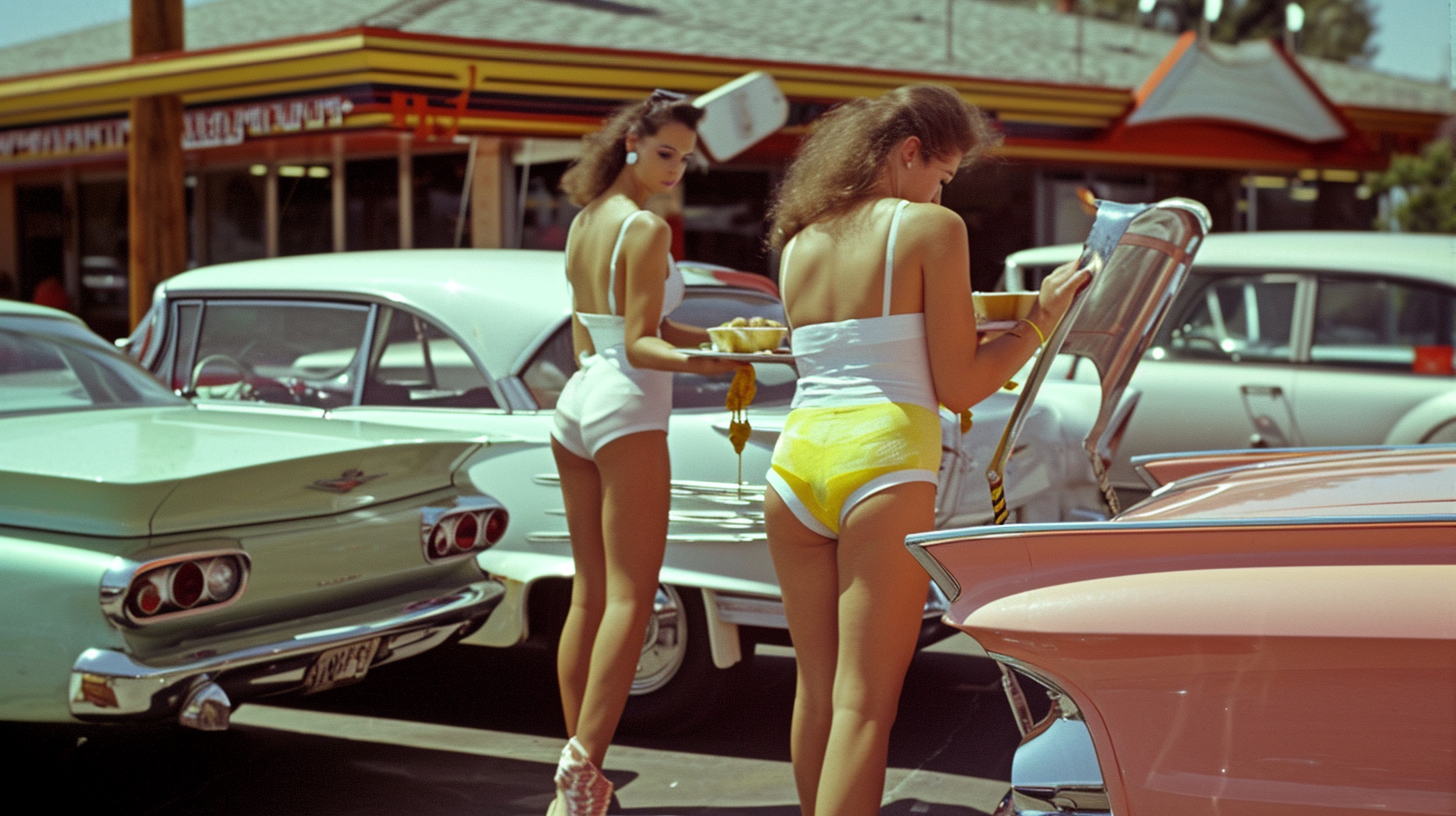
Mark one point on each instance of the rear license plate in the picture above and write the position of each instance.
(340, 665)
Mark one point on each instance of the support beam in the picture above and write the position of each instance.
(9, 240)
(156, 197)
(338, 204)
(406, 193)
(487, 213)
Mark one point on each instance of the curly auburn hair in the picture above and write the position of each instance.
(604, 151)
(840, 161)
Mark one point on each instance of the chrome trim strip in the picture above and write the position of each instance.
(940, 577)
(930, 539)
(1055, 769)
(139, 690)
(1265, 454)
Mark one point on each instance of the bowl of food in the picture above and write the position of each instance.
(992, 307)
(743, 335)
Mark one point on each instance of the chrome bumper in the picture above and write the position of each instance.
(200, 687)
(1054, 771)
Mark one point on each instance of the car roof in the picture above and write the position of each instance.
(511, 296)
(525, 290)
(18, 308)
(1423, 258)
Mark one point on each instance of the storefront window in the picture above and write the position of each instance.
(305, 196)
(40, 214)
(234, 216)
(723, 213)
(104, 257)
(438, 182)
(371, 189)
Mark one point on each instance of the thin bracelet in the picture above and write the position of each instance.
(1037, 328)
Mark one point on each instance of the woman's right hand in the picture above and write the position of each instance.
(712, 366)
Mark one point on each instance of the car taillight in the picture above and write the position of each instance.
(162, 589)
(495, 526)
(459, 531)
(467, 530)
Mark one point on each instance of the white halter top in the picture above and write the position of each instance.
(863, 360)
(609, 330)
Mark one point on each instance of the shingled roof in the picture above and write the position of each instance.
(989, 39)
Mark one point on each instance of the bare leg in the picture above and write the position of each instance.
(881, 600)
(581, 489)
(634, 476)
(806, 565)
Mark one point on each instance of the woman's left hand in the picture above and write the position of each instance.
(1057, 292)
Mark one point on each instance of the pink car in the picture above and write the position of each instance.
(1271, 632)
(1272, 638)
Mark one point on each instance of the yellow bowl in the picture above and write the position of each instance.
(995, 306)
(746, 339)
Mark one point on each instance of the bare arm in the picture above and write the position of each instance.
(682, 335)
(964, 370)
(646, 248)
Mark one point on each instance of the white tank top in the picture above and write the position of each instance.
(863, 360)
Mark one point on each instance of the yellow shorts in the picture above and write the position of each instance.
(830, 458)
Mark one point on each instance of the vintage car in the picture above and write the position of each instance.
(479, 341)
(1291, 339)
(164, 561)
(1273, 632)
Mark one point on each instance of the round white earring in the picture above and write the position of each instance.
(908, 165)
(631, 157)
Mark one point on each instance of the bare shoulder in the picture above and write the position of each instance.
(648, 223)
(931, 222)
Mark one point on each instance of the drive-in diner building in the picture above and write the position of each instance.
(318, 126)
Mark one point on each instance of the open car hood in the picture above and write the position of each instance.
(1141, 254)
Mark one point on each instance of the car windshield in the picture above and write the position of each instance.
(45, 372)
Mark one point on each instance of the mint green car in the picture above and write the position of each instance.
(161, 561)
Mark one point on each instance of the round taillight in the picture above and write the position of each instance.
(466, 531)
(440, 540)
(187, 584)
(147, 598)
(223, 578)
(495, 526)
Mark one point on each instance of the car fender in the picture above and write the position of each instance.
(509, 625)
(55, 590)
(1425, 420)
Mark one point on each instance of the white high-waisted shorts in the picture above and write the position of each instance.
(607, 399)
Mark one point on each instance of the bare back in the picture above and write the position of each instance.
(836, 268)
(589, 253)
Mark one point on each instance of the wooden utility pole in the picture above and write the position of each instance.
(156, 197)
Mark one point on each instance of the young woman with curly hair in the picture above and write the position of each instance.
(875, 277)
(610, 433)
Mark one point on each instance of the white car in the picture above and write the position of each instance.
(1293, 339)
(479, 341)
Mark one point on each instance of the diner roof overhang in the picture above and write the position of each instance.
(439, 87)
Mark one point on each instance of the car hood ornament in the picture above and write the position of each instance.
(346, 481)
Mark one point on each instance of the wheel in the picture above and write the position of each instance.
(677, 687)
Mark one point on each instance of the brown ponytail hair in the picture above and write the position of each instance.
(840, 161)
(604, 151)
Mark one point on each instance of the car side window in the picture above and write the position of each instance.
(549, 370)
(1229, 317)
(552, 365)
(415, 363)
(1370, 323)
(298, 353)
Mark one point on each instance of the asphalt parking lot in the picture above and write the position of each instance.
(476, 731)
